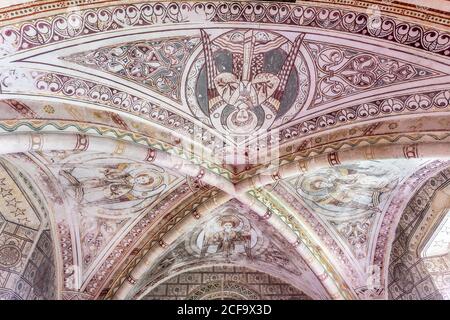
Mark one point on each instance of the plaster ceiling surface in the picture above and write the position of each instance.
(221, 142)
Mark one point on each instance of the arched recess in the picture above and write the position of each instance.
(29, 259)
(414, 272)
(231, 235)
(227, 282)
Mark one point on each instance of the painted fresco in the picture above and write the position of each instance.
(102, 186)
(354, 190)
(259, 129)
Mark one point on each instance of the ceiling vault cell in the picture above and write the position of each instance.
(208, 150)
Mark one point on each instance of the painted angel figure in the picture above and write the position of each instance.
(114, 188)
(227, 238)
(247, 97)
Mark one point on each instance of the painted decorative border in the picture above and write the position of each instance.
(44, 31)
(421, 13)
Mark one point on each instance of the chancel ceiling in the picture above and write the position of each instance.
(239, 150)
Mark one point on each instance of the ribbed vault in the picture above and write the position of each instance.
(156, 142)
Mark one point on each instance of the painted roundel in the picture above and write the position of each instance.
(247, 81)
(9, 255)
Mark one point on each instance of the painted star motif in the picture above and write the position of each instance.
(6, 192)
(23, 221)
(19, 212)
(12, 203)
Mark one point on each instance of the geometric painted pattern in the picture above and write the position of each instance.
(157, 65)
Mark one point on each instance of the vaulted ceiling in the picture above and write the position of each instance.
(205, 150)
